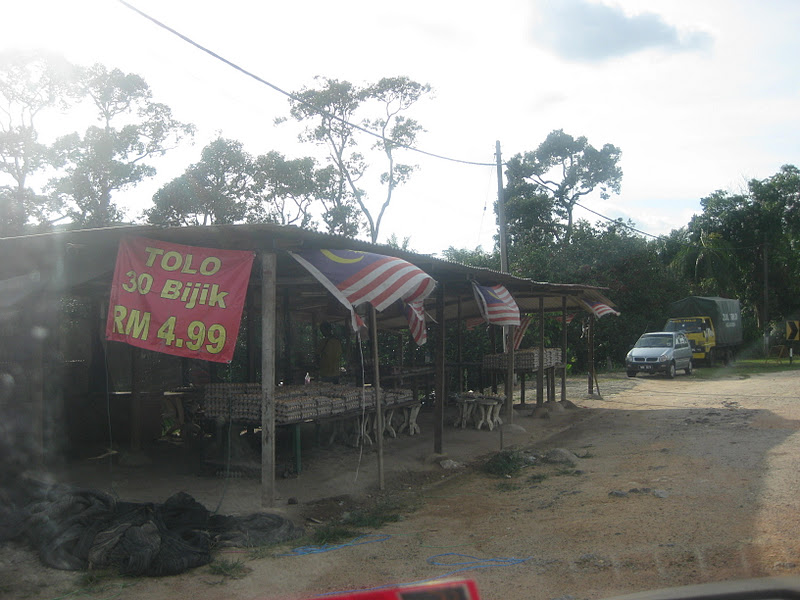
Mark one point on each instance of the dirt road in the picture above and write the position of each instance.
(679, 481)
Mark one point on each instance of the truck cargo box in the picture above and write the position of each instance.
(725, 313)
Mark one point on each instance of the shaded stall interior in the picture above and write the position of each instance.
(64, 386)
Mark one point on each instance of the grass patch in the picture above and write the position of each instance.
(571, 472)
(505, 463)
(745, 368)
(95, 578)
(508, 486)
(388, 510)
(232, 569)
(537, 478)
(332, 534)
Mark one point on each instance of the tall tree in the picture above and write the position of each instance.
(330, 110)
(284, 190)
(229, 185)
(739, 239)
(29, 84)
(565, 169)
(214, 190)
(111, 157)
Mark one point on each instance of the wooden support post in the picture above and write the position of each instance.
(563, 348)
(540, 371)
(288, 344)
(493, 372)
(136, 399)
(438, 415)
(377, 386)
(252, 364)
(269, 276)
(591, 354)
(460, 358)
(509, 344)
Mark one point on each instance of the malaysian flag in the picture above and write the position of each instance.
(519, 332)
(599, 309)
(473, 322)
(357, 277)
(496, 304)
(415, 314)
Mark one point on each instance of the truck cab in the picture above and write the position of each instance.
(701, 334)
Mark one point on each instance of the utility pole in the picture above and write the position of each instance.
(501, 211)
(765, 317)
(508, 331)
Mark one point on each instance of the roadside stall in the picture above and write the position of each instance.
(249, 325)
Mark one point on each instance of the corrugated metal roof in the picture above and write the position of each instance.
(71, 259)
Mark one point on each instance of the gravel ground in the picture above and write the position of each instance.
(673, 482)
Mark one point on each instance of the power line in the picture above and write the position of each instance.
(292, 96)
(657, 237)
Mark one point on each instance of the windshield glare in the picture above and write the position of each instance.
(654, 341)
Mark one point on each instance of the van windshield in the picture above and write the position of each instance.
(654, 341)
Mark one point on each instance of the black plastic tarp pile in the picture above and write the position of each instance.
(77, 529)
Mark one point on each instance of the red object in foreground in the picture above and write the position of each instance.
(462, 589)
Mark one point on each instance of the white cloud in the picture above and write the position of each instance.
(584, 30)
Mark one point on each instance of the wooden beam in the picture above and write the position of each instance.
(540, 372)
(563, 348)
(378, 402)
(508, 331)
(591, 354)
(268, 278)
(438, 415)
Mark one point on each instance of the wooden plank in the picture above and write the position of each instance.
(563, 348)
(438, 415)
(268, 279)
(378, 404)
(540, 372)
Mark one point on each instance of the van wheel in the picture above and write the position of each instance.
(689, 368)
(631, 373)
(671, 370)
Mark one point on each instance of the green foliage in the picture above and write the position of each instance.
(508, 486)
(111, 157)
(375, 516)
(505, 463)
(328, 112)
(231, 569)
(745, 368)
(550, 180)
(31, 84)
(567, 472)
(333, 533)
(536, 478)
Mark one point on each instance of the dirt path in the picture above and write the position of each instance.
(682, 481)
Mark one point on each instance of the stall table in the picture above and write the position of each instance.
(526, 362)
(294, 405)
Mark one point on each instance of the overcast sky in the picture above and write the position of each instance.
(699, 95)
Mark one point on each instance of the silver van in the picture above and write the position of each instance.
(660, 352)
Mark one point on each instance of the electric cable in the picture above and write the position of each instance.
(293, 97)
(355, 126)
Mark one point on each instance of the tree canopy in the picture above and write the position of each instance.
(562, 170)
(329, 112)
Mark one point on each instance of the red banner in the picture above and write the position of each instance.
(178, 299)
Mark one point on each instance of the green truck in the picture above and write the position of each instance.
(712, 324)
